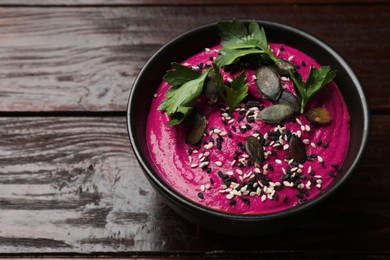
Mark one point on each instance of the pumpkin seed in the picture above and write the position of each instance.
(287, 98)
(276, 113)
(210, 90)
(255, 149)
(283, 66)
(318, 115)
(297, 149)
(197, 129)
(268, 82)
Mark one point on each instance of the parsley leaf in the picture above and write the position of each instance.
(238, 41)
(180, 75)
(234, 93)
(186, 87)
(315, 81)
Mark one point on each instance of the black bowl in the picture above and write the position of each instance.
(197, 40)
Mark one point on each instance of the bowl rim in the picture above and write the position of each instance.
(176, 197)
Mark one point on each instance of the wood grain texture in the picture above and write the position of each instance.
(86, 59)
(72, 184)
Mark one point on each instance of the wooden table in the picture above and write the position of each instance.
(69, 182)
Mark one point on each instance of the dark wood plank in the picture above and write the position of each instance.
(86, 59)
(174, 2)
(72, 184)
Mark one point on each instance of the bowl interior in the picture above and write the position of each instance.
(195, 41)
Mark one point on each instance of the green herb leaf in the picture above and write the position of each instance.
(180, 75)
(181, 98)
(317, 79)
(238, 41)
(234, 93)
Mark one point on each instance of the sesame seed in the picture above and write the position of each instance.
(309, 170)
(194, 165)
(230, 173)
(278, 161)
(254, 77)
(285, 147)
(231, 121)
(233, 162)
(302, 127)
(207, 49)
(307, 128)
(290, 58)
(264, 197)
(202, 187)
(320, 158)
(298, 121)
(284, 78)
(218, 163)
(318, 185)
(230, 196)
(299, 133)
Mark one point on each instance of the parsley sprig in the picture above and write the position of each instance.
(234, 93)
(186, 87)
(317, 79)
(239, 41)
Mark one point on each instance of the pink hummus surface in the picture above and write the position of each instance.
(273, 192)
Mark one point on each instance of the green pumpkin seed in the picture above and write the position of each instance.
(297, 149)
(283, 66)
(255, 149)
(287, 98)
(276, 113)
(197, 129)
(210, 90)
(268, 82)
(318, 115)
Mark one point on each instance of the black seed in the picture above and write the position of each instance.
(200, 195)
(313, 155)
(303, 200)
(287, 157)
(276, 197)
(245, 200)
(232, 202)
(270, 167)
(240, 118)
(242, 148)
(235, 157)
(190, 150)
(238, 152)
(335, 165)
(319, 142)
(208, 170)
(219, 145)
(211, 139)
(239, 144)
(299, 195)
(229, 133)
(204, 142)
(211, 58)
(284, 197)
(293, 120)
(248, 126)
(221, 175)
(278, 187)
(331, 174)
(306, 192)
(302, 176)
(325, 145)
(204, 167)
(233, 179)
(273, 152)
(303, 64)
(322, 164)
(250, 119)
(243, 130)
(234, 128)
(211, 181)
(281, 48)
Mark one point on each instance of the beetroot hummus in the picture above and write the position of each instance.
(219, 174)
